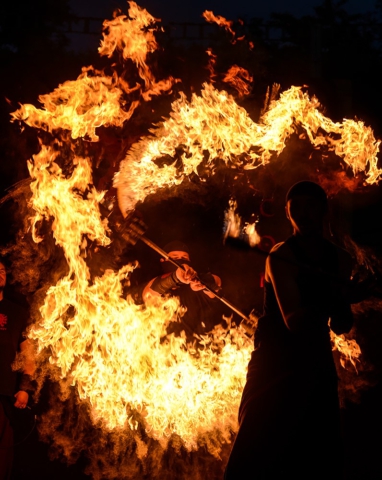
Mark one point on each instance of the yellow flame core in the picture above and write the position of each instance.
(349, 349)
(131, 35)
(95, 99)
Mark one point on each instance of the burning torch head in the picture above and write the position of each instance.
(306, 207)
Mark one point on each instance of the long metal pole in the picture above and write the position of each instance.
(247, 324)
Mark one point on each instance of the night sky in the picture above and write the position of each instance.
(175, 10)
(191, 12)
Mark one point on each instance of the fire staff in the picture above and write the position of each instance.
(13, 321)
(289, 414)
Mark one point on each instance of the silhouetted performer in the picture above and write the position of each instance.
(13, 321)
(289, 414)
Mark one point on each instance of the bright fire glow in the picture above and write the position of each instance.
(134, 38)
(111, 350)
(219, 20)
(234, 227)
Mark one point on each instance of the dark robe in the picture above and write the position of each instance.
(289, 414)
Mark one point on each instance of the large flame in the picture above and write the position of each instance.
(114, 352)
(214, 123)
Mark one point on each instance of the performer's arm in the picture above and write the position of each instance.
(26, 384)
(164, 284)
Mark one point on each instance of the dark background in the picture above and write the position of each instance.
(332, 47)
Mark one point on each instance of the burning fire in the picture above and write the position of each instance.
(221, 21)
(239, 78)
(80, 106)
(234, 228)
(349, 349)
(114, 352)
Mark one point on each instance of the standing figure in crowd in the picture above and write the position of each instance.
(13, 394)
(289, 414)
(203, 309)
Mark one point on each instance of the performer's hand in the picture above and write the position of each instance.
(196, 285)
(186, 275)
(21, 399)
(210, 280)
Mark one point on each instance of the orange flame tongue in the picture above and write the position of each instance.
(135, 40)
(95, 99)
(131, 36)
(80, 106)
(219, 20)
(349, 349)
